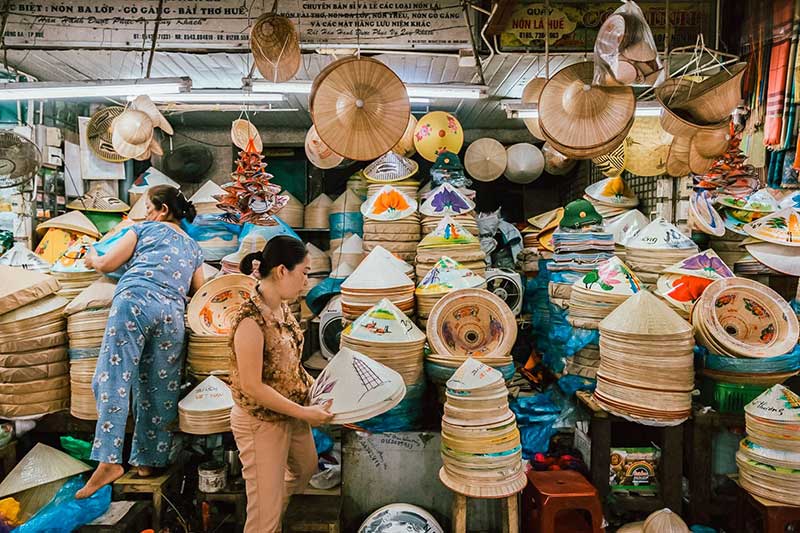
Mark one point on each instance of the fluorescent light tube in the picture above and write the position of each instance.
(216, 97)
(516, 109)
(419, 90)
(93, 88)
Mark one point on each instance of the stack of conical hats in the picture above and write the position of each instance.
(345, 217)
(450, 239)
(646, 362)
(205, 198)
(657, 246)
(684, 282)
(611, 197)
(406, 268)
(386, 335)
(391, 221)
(320, 264)
(207, 409)
(481, 448)
(293, 213)
(21, 257)
(598, 293)
(351, 253)
(209, 315)
(71, 271)
(317, 212)
(63, 231)
(446, 200)
(395, 169)
(373, 280)
(445, 276)
(769, 458)
(584, 363)
(33, 345)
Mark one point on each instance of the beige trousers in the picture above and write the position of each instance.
(278, 459)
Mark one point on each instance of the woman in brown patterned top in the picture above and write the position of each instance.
(270, 421)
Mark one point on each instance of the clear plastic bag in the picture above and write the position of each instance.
(625, 52)
(64, 513)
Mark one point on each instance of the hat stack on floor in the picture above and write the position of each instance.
(21, 257)
(391, 221)
(646, 362)
(599, 292)
(388, 336)
(34, 372)
(209, 315)
(293, 213)
(207, 409)
(450, 239)
(373, 280)
(71, 271)
(320, 268)
(445, 276)
(62, 232)
(447, 200)
(774, 241)
(683, 283)
(317, 212)
(481, 448)
(657, 246)
(350, 253)
(624, 227)
(345, 218)
(406, 268)
(769, 457)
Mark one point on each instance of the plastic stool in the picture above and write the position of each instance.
(551, 492)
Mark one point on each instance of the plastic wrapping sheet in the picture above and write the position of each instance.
(64, 513)
(536, 416)
(210, 227)
(343, 224)
(767, 365)
(408, 415)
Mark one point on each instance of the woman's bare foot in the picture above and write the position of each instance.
(105, 474)
(144, 471)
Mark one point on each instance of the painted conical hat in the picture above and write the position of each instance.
(704, 216)
(388, 204)
(626, 225)
(662, 235)
(647, 147)
(212, 394)
(446, 200)
(447, 232)
(706, 264)
(19, 287)
(73, 260)
(320, 155)
(645, 314)
(448, 275)
(777, 403)
(150, 178)
(206, 194)
(72, 221)
(760, 201)
(613, 191)
(473, 374)
(388, 256)
(782, 227)
(390, 167)
(612, 276)
(347, 202)
(375, 273)
(20, 256)
(384, 323)
(40, 466)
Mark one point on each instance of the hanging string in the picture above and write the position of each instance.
(155, 38)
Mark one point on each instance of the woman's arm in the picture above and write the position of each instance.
(198, 278)
(115, 257)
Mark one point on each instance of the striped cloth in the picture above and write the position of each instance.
(776, 92)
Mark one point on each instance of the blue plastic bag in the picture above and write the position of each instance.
(103, 247)
(536, 417)
(322, 441)
(64, 513)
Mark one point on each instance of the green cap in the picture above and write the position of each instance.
(580, 213)
(447, 161)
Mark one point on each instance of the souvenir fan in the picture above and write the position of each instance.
(97, 199)
(204, 199)
(598, 293)
(451, 239)
(71, 271)
(401, 517)
(20, 286)
(242, 132)
(684, 282)
(374, 280)
(99, 131)
(206, 410)
(132, 134)
(446, 276)
(612, 164)
(446, 200)
(781, 227)
(438, 132)
(448, 168)
(388, 204)
(646, 368)
(351, 252)
(530, 96)
(317, 212)
(525, 163)
(647, 148)
(556, 163)
(405, 146)
(584, 121)
(359, 387)
(481, 448)
(366, 99)
(703, 215)
(276, 47)
(21, 257)
(318, 153)
(485, 159)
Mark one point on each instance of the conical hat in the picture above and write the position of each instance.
(612, 276)
(145, 104)
(782, 227)
(323, 201)
(473, 374)
(447, 232)
(73, 260)
(98, 295)
(777, 403)
(319, 260)
(647, 147)
(485, 159)
(405, 146)
(760, 201)
(139, 210)
(353, 244)
(626, 225)
(347, 202)
(388, 204)
(206, 194)
(706, 264)
(212, 394)
(19, 287)
(72, 221)
(446, 200)
(20, 256)
(645, 314)
(384, 323)
(704, 216)
(150, 178)
(375, 273)
(97, 199)
(55, 242)
(355, 383)
(780, 258)
(390, 167)
(541, 221)
(342, 271)
(662, 235)
(320, 155)
(613, 191)
(40, 466)
(388, 256)
(242, 131)
(448, 275)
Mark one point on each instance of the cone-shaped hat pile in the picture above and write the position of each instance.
(319, 261)
(207, 409)
(599, 292)
(646, 364)
(317, 212)
(345, 217)
(205, 201)
(293, 213)
(351, 253)
(391, 221)
(374, 280)
(481, 448)
(775, 241)
(359, 387)
(446, 200)
(683, 283)
(446, 275)
(450, 239)
(71, 270)
(657, 246)
(74, 221)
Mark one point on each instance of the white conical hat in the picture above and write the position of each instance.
(448, 232)
(206, 194)
(19, 287)
(448, 275)
(342, 271)
(645, 314)
(98, 295)
(612, 276)
(40, 466)
(626, 225)
(782, 227)
(212, 394)
(320, 202)
(71, 221)
(20, 256)
(150, 178)
(355, 383)
(660, 234)
(139, 210)
(319, 260)
(612, 191)
(473, 374)
(347, 202)
(706, 264)
(446, 200)
(777, 403)
(390, 257)
(73, 260)
(375, 273)
(353, 244)
(389, 204)
(384, 323)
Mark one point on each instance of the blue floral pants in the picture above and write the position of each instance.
(140, 364)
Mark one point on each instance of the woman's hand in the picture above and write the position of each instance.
(317, 415)
(91, 260)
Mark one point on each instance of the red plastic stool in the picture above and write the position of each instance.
(549, 493)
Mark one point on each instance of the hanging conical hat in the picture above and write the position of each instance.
(21, 257)
(145, 104)
(73, 260)
(132, 133)
(473, 374)
(706, 264)
(276, 47)
(388, 256)
(19, 287)
(713, 99)
(438, 132)
(72, 221)
(318, 152)
(447, 233)
(347, 202)
(645, 314)
(388, 204)
(390, 167)
(242, 131)
(98, 133)
(530, 95)
(524, 163)
(446, 200)
(375, 272)
(612, 164)
(384, 323)
(776, 403)
(612, 276)
(212, 394)
(662, 235)
(626, 225)
(782, 227)
(40, 466)
(613, 191)
(97, 199)
(780, 258)
(360, 108)
(485, 159)
(405, 146)
(448, 275)
(206, 194)
(647, 147)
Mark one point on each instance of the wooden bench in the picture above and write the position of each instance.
(156, 486)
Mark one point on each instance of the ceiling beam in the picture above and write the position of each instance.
(498, 23)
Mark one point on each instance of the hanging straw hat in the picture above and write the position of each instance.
(438, 132)
(71, 221)
(675, 121)
(647, 147)
(530, 95)
(485, 159)
(556, 163)
(714, 99)
(405, 146)
(678, 156)
(98, 134)
(581, 120)
(360, 108)
(390, 167)
(276, 47)
(242, 131)
(145, 104)
(318, 152)
(188, 163)
(613, 163)
(525, 163)
(132, 133)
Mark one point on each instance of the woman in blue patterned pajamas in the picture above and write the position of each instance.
(141, 356)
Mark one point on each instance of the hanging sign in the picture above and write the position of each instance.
(225, 24)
